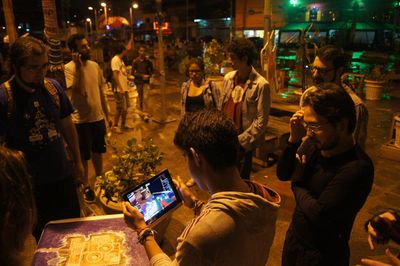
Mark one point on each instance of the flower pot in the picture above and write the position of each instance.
(373, 89)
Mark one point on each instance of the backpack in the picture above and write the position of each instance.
(49, 86)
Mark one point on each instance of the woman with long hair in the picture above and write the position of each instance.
(17, 207)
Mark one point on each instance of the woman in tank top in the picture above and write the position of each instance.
(198, 92)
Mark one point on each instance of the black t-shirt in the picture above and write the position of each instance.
(329, 196)
(34, 129)
(142, 67)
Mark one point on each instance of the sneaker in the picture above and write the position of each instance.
(117, 130)
(126, 127)
(146, 118)
(190, 183)
(88, 195)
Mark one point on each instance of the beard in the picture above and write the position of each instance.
(329, 145)
(85, 57)
(33, 85)
(318, 80)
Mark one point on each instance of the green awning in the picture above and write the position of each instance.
(338, 25)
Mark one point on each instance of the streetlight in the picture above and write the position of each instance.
(134, 6)
(90, 25)
(95, 16)
(104, 5)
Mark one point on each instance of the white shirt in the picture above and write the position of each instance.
(118, 65)
(87, 106)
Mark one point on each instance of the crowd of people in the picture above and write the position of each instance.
(331, 175)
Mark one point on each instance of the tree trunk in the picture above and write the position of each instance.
(10, 22)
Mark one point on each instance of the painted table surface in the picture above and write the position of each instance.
(99, 240)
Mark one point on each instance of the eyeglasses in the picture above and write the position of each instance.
(322, 70)
(314, 127)
(36, 68)
(194, 70)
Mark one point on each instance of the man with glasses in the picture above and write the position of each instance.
(328, 66)
(35, 117)
(331, 177)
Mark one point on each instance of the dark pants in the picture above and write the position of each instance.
(140, 91)
(297, 254)
(55, 201)
(245, 162)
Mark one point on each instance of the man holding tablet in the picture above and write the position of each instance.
(236, 225)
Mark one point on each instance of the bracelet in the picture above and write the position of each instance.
(144, 234)
(140, 230)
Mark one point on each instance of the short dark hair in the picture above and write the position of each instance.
(332, 102)
(242, 47)
(119, 47)
(211, 134)
(25, 47)
(198, 61)
(334, 55)
(72, 41)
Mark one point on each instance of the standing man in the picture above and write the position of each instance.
(121, 88)
(142, 69)
(245, 98)
(331, 177)
(84, 79)
(35, 114)
(329, 66)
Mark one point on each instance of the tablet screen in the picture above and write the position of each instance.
(155, 197)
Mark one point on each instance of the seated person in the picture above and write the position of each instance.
(17, 208)
(236, 225)
(382, 227)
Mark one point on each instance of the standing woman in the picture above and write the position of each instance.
(198, 92)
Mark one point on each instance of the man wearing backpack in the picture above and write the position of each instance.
(35, 117)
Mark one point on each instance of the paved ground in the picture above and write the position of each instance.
(385, 193)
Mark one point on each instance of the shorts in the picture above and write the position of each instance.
(91, 138)
(121, 101)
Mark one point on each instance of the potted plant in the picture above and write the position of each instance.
(133, 164)
(374, 84)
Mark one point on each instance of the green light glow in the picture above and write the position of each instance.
(293, 2)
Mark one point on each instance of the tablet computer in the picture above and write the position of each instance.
(155, 197)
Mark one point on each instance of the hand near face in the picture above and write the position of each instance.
(297, 130)
(76, 57)
(133, 218)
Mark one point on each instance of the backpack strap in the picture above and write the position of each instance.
(9, 98)
(52, 90)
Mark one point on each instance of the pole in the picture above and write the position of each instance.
(95, 20)
(131, 17)
(231, 34)
(267, 19)
(163, 117)
(10, 22)
(187, 21)
(90, 27)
